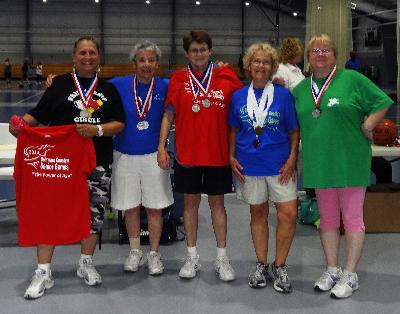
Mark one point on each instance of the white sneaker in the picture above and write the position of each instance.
(224, 269)
(190, 268)
(40, 282)
(328, 279)
(345, 286)
(134, 260)
(154, 264)
(88, 272)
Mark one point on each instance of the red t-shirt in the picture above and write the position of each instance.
(202, 138)
(50, 172)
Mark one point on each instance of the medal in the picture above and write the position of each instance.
(84, 114)
(258, 130)
(256, 143)
(200, 86)
(86, 96)
(316, 113)
(195, 108)
(142, 108)
(206, 103)
(142, 125)
(317, 93)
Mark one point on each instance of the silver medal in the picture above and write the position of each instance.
(195, 108)
(84, 113)
(206, 103)
(316, 113)
(142, 125)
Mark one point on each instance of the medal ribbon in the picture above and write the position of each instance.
(316, 92)
(258, 111)
(85, 97)
(142, 109)
(204, 85)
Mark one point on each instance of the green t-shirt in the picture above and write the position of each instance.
(335, 151)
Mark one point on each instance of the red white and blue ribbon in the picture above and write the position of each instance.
(202, 85)
(142, 109)
(318, 93)
(86, 97)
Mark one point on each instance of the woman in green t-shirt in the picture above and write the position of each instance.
(337, 110)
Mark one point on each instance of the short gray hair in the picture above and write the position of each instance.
(146, 45)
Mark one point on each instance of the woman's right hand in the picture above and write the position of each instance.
(237, 169)
(49, 80)
(163, 158)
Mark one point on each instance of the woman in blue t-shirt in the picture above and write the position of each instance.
(137, 180)
(264, 141)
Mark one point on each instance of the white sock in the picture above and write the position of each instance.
(87, 257)
(192, 251)
(45, 267)
(152, 252)
(333, 270)
(345, 271)
(221, 252)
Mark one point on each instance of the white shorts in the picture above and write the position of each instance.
(258, 190)
(138, 180)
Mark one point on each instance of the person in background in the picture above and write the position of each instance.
(291, 54)
(337, 110)
(7, 72)
(137, 180)
(95, 107)
(353, 63)
(24, 73)
(198, 99)
(264, 141)
(39, 73)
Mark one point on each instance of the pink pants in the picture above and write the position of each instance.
(348, 201)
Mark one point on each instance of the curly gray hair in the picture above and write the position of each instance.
(146, 45)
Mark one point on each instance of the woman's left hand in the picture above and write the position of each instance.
(287, 171)
(87, 130)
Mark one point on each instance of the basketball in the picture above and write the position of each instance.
(385, 133)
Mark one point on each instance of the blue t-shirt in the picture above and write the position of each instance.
(131, 140)
(353, 64)
(274, 148)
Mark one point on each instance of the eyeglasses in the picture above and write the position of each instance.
(261, 62)
(321, 50)
(196, 51)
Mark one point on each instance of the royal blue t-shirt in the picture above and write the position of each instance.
(274, 148)
(131, 140)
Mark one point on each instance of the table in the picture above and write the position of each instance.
(383, 151)
(7, 154)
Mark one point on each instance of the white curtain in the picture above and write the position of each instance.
(332, 17)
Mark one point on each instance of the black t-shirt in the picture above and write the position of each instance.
(61, 105)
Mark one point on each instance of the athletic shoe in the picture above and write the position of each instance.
(88, 272)
(328, 279)
(224, 269)
(134, 260)
(155, 264)
(258, 276)
(40, 282)
(346, 285)
(190, 268)
(280, 278)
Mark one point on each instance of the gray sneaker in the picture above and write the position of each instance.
(280, 278)
(328, 279)
(41, 281)
(88, 272)
(346, 285)
(258, 276)
(134, 260)
(154, 264)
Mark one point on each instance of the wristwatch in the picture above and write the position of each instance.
(100, 130)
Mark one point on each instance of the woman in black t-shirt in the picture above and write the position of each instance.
(94, 105)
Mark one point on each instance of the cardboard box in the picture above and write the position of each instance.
(382, 208)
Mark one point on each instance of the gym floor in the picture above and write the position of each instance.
(379, 270)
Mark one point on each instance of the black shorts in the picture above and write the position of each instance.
(202, 179)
